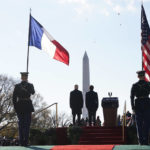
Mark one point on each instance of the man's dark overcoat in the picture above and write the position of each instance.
(92, 101)
(76, 101)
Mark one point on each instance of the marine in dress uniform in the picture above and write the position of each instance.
(76, 103)
(140, 103)
(23, 107)
(92, 104)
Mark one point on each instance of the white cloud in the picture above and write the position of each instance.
(109, 2)
(118, 8)
(122, 5)
(73, 1)
(131, 7)
(146, 0)
(88, 6)
(81, 5)
(105, 12)
(85, 7)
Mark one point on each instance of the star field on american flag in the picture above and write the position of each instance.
(145, 41)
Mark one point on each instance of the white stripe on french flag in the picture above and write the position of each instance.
(40, 38)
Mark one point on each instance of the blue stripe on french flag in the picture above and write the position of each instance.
(40, 38)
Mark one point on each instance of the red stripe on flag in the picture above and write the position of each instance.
(145, 40)
(146, 78)
(145, 48)
(61, 53)
(145, 58)
(146, 69)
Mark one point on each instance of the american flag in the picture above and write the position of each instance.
(145, 44)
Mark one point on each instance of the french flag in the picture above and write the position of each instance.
(41, 39)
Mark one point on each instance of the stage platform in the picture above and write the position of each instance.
(78, 147)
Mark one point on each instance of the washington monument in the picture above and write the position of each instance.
(86, 82)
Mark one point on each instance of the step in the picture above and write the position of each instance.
(107, 141)
(100, 143)
(101, 134)
(100, 138)
(102, 128)
(93, 128)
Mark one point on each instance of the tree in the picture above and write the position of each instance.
(43, 120)
(47, 119)
(7, 114)
(64, 120)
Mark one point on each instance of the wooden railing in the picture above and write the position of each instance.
(47, 108)
(35, 113)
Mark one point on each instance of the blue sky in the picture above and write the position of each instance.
(109, 30)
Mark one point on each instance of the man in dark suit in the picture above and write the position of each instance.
(23, 107)
(92, 105)
(76, 103)
(140, 103)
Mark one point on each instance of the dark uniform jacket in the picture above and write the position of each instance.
(140, 90)
(76, 101)
(91, 101)
(21, 97)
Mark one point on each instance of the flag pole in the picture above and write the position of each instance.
(141, 2)
(28, 44)
(141, 31)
